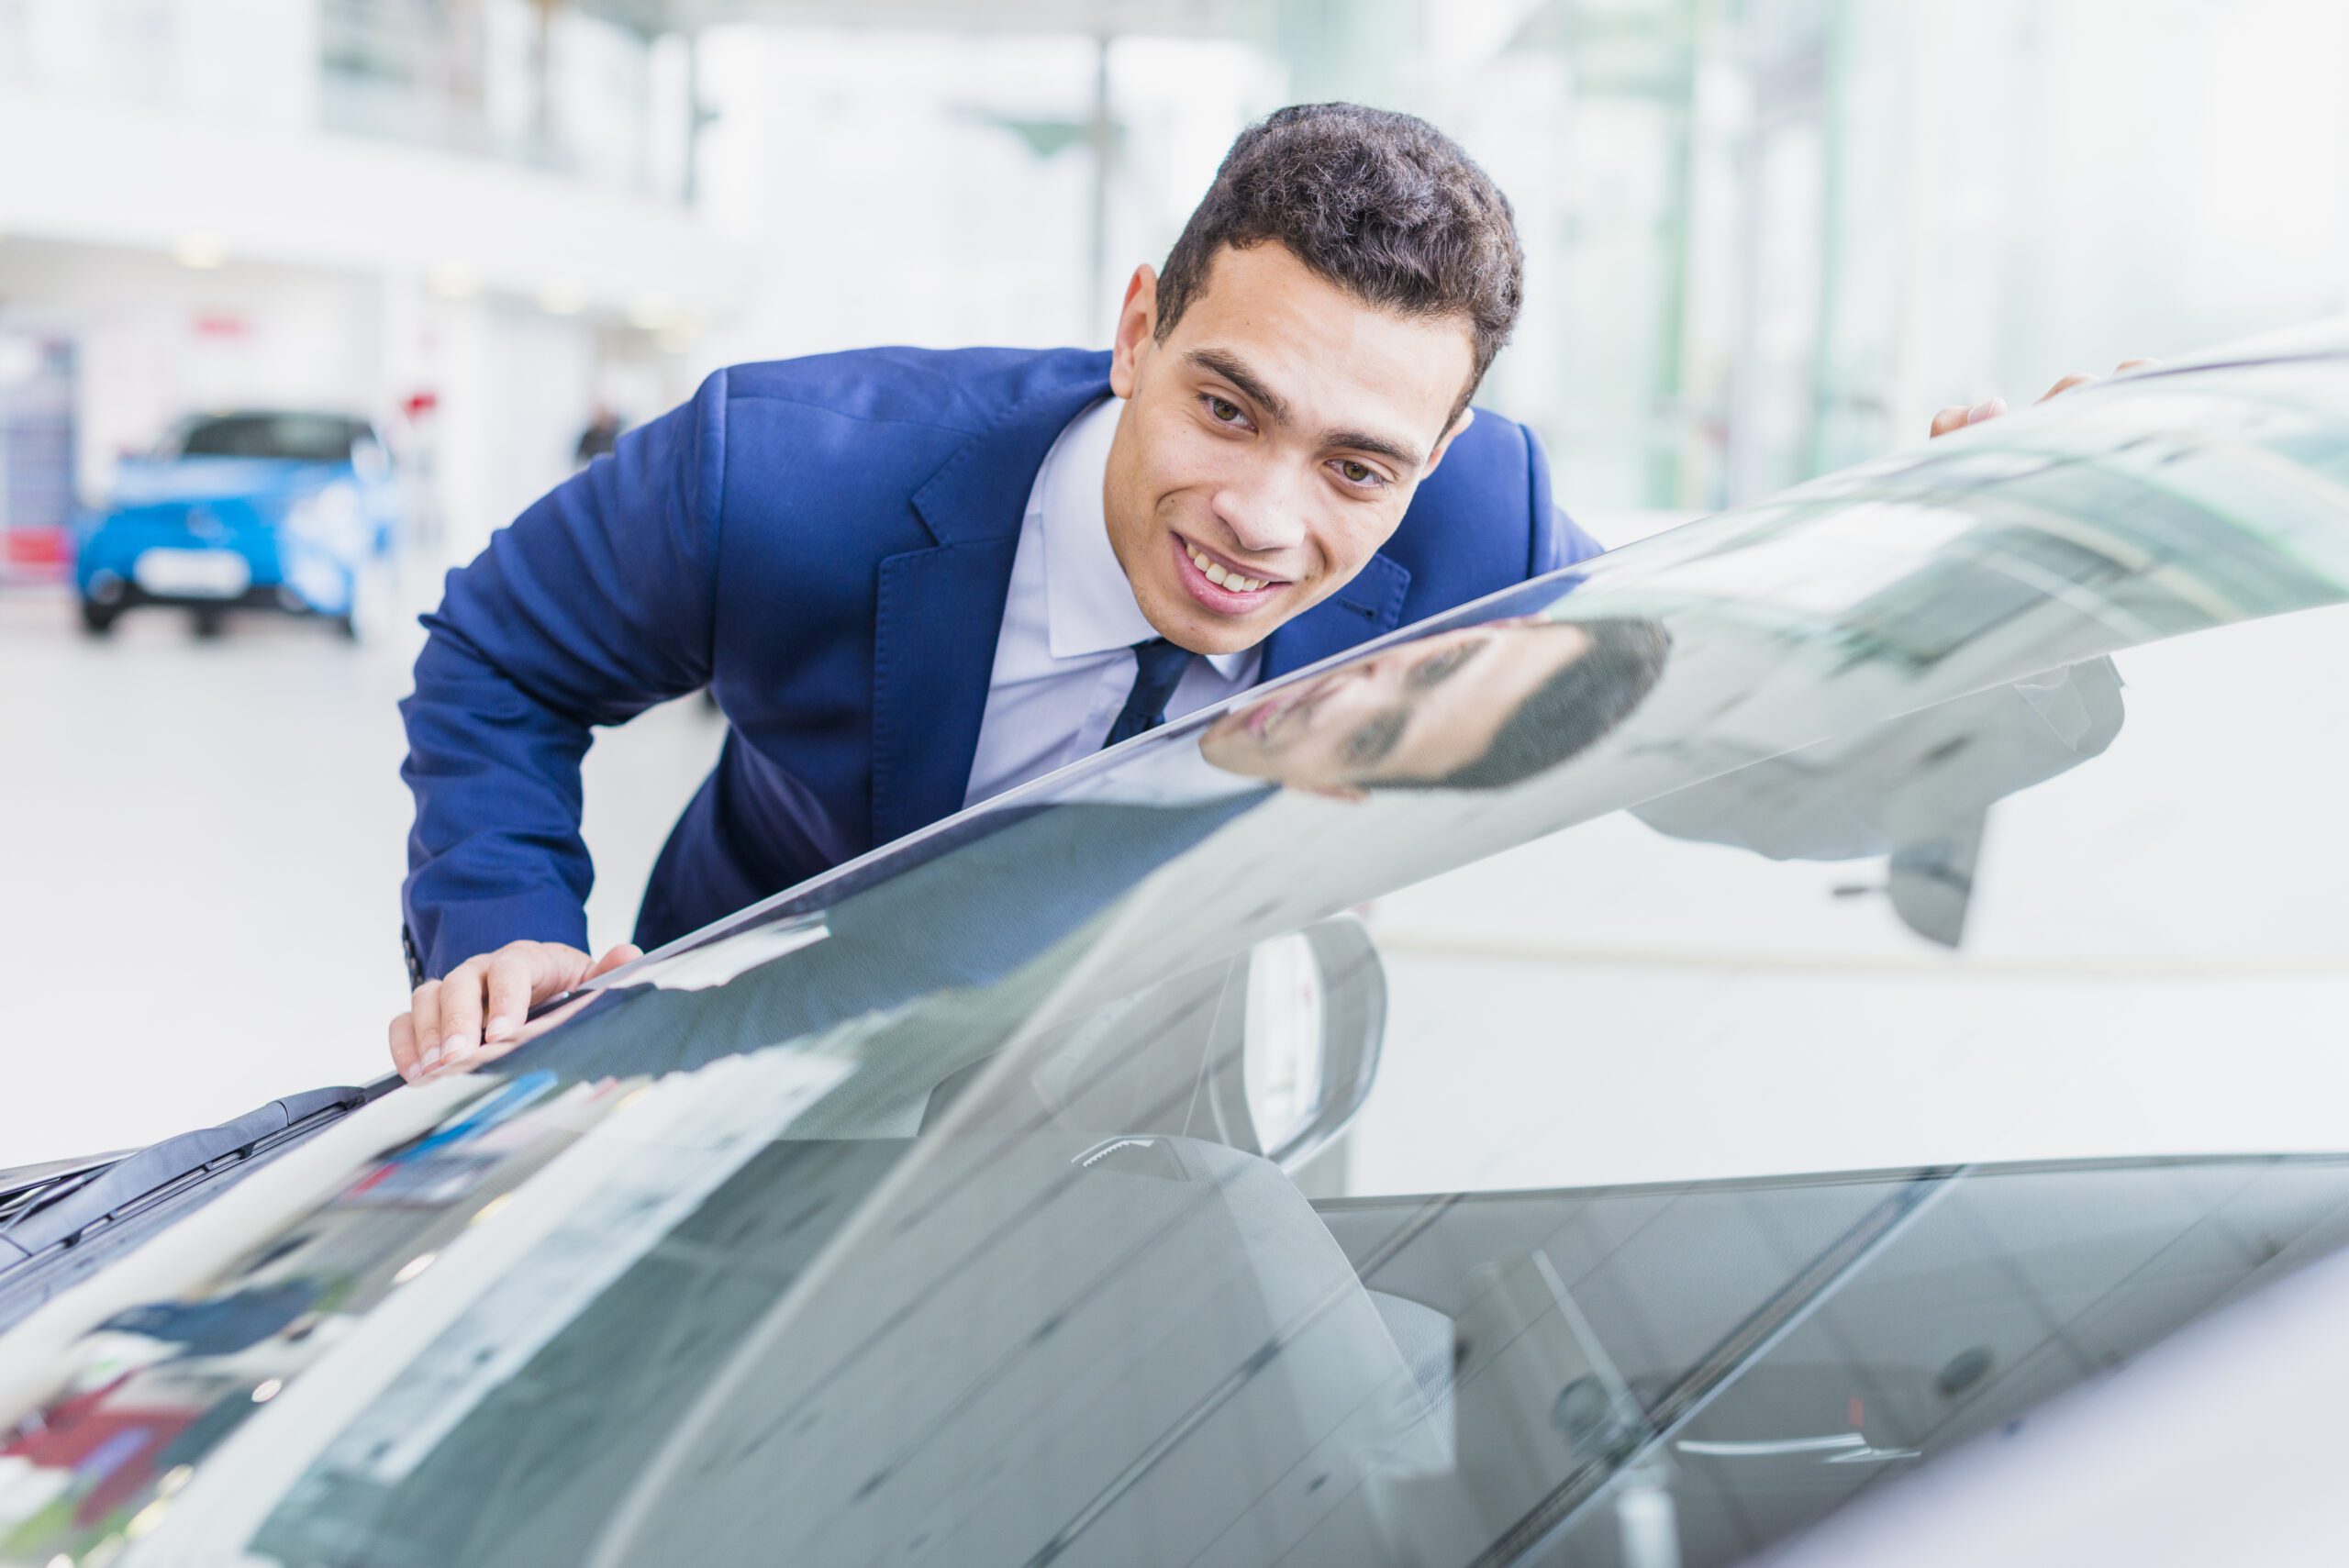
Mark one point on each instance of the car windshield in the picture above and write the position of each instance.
(296, 438)
(1606, 1076)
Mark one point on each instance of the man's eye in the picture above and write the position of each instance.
(1224, 411)
(1361, 474)
(1373, 741)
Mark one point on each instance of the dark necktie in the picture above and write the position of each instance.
(1158, 670)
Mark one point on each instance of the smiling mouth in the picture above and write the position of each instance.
(1219, 585)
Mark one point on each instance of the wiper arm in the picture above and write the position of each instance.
(27, 1186)
(155, 1172)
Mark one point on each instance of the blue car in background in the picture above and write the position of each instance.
(251, 509)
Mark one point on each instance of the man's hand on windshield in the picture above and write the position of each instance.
(1957, 416)
(477, 1011)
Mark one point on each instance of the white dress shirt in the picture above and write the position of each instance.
(1064, 662)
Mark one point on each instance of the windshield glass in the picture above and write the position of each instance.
(296, 438)
(1380, 1122)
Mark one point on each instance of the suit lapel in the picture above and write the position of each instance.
(938, 610)
(1370, 606)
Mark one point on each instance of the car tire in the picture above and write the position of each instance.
(207, 623)
(97, 619)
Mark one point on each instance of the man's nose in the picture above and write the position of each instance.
(1264, 516)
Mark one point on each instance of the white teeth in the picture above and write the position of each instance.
(1215, 572)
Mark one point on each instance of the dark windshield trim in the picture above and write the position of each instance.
(1718, 1369)
(1857, 1178)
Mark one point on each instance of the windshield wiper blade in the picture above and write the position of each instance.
(23, 1184)
(156, 1172)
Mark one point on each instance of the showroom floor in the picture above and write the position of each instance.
(201, 844)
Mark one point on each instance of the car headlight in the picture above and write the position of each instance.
(329, 518)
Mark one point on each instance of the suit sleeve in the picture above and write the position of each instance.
(1558, 540)
(593, 606)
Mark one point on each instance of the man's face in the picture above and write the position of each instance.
(1270, 445)
(1415, 711)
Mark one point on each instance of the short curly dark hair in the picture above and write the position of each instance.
(1383, 204)
(1570, 711)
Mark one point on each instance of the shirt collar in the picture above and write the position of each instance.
(1088, 605)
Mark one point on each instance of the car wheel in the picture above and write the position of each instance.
(98, 620)
(208, 622)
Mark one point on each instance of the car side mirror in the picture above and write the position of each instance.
(1272, 1052)
(1311, 1022)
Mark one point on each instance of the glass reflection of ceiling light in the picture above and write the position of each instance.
(1773, 1446)
(144, 1521)
(202, 251)
(451, 283)
(266, 1390)
(1841, 1448)
(413, 1267)
(562, 296)
(491, 1209)
(651, 312)
(179, 1475)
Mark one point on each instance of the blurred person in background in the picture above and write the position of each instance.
(601, 436)
(915, 579)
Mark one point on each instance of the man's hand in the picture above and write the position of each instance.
(1957, 416)
(443, 1029)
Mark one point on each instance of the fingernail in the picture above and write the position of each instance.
(1982, 411)
(431, 1058)
(498, 1029)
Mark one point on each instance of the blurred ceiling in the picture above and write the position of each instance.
(1097, 17)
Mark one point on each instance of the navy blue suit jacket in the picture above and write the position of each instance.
(827, 544)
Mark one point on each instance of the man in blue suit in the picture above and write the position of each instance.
(914, 579)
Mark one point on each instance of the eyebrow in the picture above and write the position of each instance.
(1378, 446)
(1233, 370)
(1222, 363)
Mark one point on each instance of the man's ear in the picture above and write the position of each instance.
(1137, 325)
(1467, 418)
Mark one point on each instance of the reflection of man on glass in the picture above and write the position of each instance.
(1536, 693)
(1478, 708)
